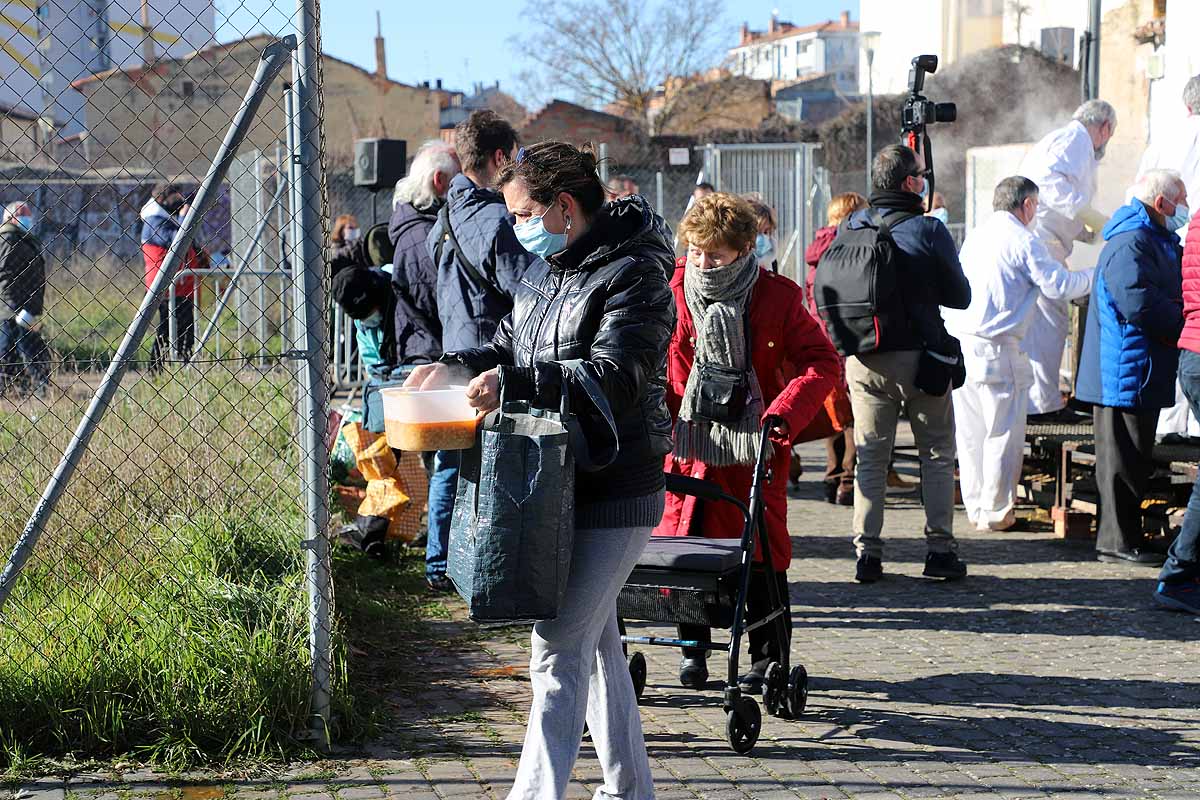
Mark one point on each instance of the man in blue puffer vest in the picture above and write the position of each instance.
(1130, 356)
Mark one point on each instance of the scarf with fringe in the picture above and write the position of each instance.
(718, 300)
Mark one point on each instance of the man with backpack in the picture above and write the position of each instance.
(479, 266)
(878, 288)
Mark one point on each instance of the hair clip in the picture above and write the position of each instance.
(520, 155)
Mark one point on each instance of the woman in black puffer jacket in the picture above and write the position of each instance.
(600, 296)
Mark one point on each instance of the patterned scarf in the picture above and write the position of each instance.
(718, 299)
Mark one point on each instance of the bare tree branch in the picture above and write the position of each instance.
(633, 53)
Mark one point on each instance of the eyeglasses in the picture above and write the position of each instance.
(921, 173)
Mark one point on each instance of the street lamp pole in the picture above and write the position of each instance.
(870, 113)
(869, 40)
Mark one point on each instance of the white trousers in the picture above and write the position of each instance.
(1045, 342)
(1178, 418)
(1046, 339)
(577, 671)
(989, 414)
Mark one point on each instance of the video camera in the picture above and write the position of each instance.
(920, 112)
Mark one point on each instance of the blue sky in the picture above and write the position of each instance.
(462, 41)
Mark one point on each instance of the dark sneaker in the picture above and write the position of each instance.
(439, 583)
(868, 570)
(944, 565)
(751, 682)
(1179, 596)
(693, 673)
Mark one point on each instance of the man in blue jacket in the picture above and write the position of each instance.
(1130, 356)
(479, 266)
(881, 382)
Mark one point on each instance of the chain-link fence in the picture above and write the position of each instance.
(784, 176)
(163, 381)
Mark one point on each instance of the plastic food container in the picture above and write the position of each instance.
(429, 419)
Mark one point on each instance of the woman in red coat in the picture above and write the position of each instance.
(792, 367)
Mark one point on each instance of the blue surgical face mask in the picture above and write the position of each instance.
(940, 214)
(1180, 218)
(534, 237)
(374, 320)
(924, 189)
(25, 222)
(763, 246)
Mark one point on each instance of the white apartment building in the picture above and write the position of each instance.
(787, 52)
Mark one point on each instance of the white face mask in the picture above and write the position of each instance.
(350, 234)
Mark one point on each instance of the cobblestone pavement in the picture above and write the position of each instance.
(1044, 674)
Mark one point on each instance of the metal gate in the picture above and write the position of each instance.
(788, 179)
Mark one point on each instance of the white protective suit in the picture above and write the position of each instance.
(1178, 149)
(1063, 165)
(1009, 270)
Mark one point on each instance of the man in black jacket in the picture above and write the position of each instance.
(22, 291)
(882, 381)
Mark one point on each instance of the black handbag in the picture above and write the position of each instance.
(724, 391)
(940, 371)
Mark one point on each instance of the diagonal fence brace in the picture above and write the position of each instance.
(274, 57)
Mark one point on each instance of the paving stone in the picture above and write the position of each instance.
(1042, 675)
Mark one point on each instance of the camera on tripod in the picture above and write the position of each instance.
(919, 112)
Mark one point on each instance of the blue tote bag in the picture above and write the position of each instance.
(514, 515)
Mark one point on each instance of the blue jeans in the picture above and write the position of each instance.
(443, 486)
(1183, 559)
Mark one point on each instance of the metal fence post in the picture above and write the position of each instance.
(282, 239)
(255, 244)
(311, 372)
(274, 56)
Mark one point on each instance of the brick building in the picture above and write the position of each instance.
(717, 102)
(172, 116)
(574, 123)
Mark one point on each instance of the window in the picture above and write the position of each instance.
(189, 88)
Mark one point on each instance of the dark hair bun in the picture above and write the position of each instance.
(550, 168)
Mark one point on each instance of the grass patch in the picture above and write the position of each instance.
(163, 616)
(86, 317)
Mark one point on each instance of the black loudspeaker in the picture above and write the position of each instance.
(379, 163)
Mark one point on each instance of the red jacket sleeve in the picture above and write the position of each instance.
(817, 365)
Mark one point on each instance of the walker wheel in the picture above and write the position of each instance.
(637, 672)
(775, 690)
(743, 723)
(797, 691)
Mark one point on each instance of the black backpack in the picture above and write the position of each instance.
(857, 287)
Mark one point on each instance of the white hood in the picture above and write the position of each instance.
(152, 209)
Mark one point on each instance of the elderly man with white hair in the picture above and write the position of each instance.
(419, 197)
(1179, 148)
(1130, 355)
(415, 205)
(22, 291)
(1009, 270)
(1063, 165)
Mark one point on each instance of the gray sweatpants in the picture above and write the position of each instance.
(880, 383)
(578, 669)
